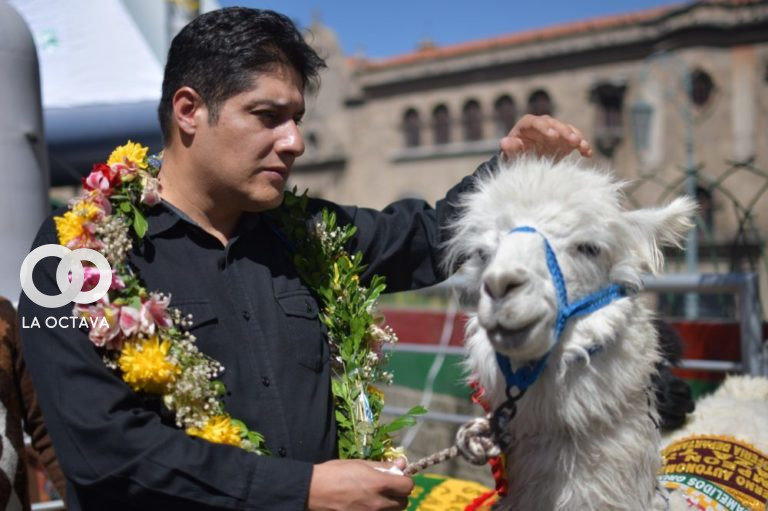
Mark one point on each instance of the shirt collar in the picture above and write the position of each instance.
(165, 215)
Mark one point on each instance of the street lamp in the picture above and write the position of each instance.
(642, 113)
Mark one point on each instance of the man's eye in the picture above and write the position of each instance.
(267, 116)
(588, 249)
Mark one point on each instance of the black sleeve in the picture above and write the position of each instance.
(404, 241)
(113, 450)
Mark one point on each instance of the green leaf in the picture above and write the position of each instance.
(125, 207)
(399, 423)
(403, 421)
(417, 410)
(140, 224)
(239, 425)
(255, 438)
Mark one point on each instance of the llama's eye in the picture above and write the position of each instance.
(483, 256)
(588, 249)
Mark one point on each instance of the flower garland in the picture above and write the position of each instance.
(356, 333)
(147, 342)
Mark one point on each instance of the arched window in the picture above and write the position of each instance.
(539, 103)
(702, 87)
(472, 121)
(313, 141)
(504, 115)
(609, 128)
(441, 124)
(412, 128)
(706, 209)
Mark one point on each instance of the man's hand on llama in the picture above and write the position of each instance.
(543, 135)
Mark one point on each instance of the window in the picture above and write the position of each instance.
(412, 128)
(504, 115)
(312, 140)
(539, 103)
(702, 87)
(609, 126)
(441, 125)
(472, 119)
(706, 210)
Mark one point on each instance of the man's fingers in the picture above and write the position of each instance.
(584, 147)
(538, 129)
(511, 146)
(544, 136)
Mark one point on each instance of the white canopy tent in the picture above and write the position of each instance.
(101, 67)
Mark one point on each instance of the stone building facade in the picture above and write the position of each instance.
(697, 74)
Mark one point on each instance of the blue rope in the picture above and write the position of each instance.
(524, 376)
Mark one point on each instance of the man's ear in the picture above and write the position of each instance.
(188, 110)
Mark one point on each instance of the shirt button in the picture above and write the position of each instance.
(282, 452)
(309, 306)
(246, 315)
(265, 381)
(221, 262)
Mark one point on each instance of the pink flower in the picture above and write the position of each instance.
(96, 180)
(130, 320)
(92, 276)
(103, 316)
(126, 172)
(101, 199)
(150, 194)
(155, 312)
(91, 279)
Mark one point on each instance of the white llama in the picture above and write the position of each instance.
(557, 262)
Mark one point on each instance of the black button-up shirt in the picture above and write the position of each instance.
(252, 313)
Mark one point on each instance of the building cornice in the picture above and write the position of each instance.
(616, 38)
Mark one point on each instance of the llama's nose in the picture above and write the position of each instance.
(500, 283)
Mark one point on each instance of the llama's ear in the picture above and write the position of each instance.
(658, 226)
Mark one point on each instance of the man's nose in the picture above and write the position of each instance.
(289, 139)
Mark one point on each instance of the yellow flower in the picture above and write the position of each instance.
(145, 365)
(373, 391)
(130, 152)
(219, 430)
(71, 227)
(393, 453)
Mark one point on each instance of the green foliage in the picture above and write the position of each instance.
(356, 337)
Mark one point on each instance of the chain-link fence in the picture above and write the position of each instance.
(731, 230)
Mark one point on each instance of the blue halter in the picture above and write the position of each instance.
(523, 377)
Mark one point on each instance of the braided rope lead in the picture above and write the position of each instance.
(474, 441)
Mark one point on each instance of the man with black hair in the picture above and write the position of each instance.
(232, 102)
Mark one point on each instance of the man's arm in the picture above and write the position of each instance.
(112, 448)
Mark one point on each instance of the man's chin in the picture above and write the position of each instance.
(265, 203)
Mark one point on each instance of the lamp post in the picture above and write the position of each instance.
(642, 113)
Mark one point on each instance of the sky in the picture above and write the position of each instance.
(383, 28)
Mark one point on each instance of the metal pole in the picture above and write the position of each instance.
(691, 185)
(751, 330)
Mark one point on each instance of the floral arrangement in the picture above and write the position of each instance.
(355, 332)
(141, 336)
(147, 341)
